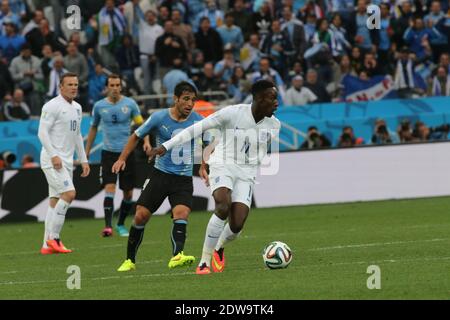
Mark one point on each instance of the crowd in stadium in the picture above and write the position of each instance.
(306, 48)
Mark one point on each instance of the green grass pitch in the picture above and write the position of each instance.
(333, 245)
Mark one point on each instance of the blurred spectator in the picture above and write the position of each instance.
(26, 72)
(440, 85)
(251, 53)
(149, 31)
(319, 56)
(406, 80)
(267, 73)
(296, 32)
(417, 37)
(168, 47)
(6, 82)
(46, 63)
(435, 21)
(55, 75)
(224, 68)
(133, 13)
(7, 14)
(296, 70)
(444, 61)
(18, 8)
(342, 45)
(298, 95)
(367, 40)
(10, 41)
(371, 65)
(232, 37)
(81, 44)
(183, 30)
(241, 17)
(402, 22)
(172, 78)
(348, 139)
(315, 140)
(97, 82)
(341, 70)
(262, 19)
(421, 132)
(381, 134)
(209, 41)
(28, 162)
(76, 63)
(214, 15)
(163, 15)
(356, 60)
(310, 27)
(127, 56)
(196, 67)
(110, 25)
(41, 35)
(277, 45)
(239, 87)
(405, 132)
(316, 87)
(38, 15)
(207, 81)
(16, 109)
(386, 32)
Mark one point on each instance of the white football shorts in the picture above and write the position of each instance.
(241, 186)
(59, 181)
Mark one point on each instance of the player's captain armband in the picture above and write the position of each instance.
(138, 120)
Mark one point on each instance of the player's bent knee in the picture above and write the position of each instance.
(142, 215)
(69, 196)
(222, 209)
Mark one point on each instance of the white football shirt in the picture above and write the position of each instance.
(59, 132)
(241, 142)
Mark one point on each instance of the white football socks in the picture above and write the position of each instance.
(226, 236)
(48, 222)
(213, 231)
(59, 214)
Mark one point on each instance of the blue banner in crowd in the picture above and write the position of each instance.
(377, 88)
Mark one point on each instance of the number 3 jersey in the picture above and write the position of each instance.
(59, 132)
(116, 121)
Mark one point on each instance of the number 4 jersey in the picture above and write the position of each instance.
(59, 132)
(239, 141)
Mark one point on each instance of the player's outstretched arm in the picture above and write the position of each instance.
(215, 120)
(120, 164)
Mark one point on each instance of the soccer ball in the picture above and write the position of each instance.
(277, 255)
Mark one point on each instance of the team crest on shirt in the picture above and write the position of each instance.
(78, 112)
(124, 109)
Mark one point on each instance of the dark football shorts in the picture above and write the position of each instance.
(126, 177)
(160, 185)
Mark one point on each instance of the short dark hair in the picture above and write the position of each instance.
(67, 75)
(113, 76)
(260, 86)
(184, 86)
